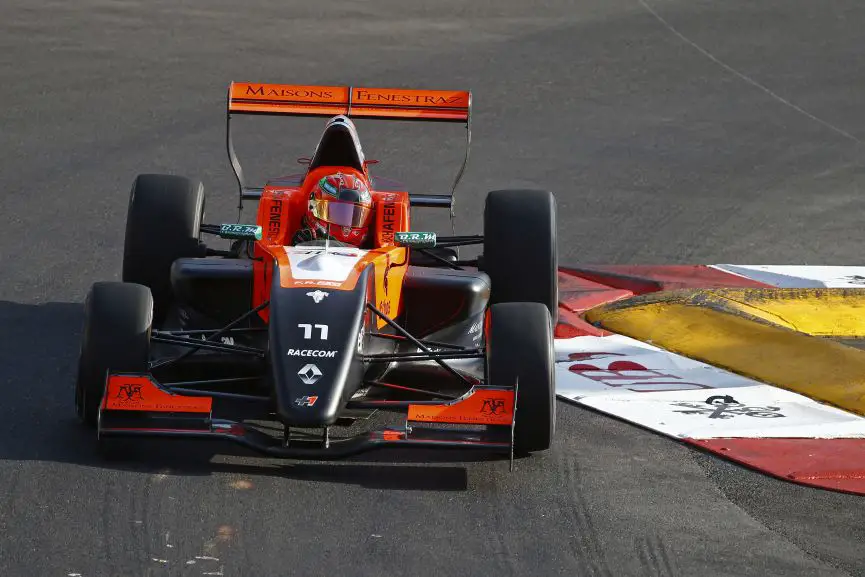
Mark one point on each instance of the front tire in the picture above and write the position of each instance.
(163, 224)
(117, 323)
(521, 253)
(520, 350)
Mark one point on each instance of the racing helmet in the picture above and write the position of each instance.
(340, 206)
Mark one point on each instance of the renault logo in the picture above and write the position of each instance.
(309, 374)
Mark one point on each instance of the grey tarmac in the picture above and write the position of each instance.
(672, 131)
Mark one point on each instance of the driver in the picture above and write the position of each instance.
(340, 207)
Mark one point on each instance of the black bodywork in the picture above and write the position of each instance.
(319, 363)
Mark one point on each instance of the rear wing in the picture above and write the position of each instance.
(353, 102)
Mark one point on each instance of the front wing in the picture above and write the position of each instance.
(136, 405)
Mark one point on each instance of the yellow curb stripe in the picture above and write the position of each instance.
(820, 312)
(838, 313)
(703, 326)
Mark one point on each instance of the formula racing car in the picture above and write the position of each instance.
(288, 347)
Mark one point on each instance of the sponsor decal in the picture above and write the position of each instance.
(138, 393)
(493, 406)
(484, 407)
(240, 231)
(317, 296)
(317, 251)
(274, 219)
(386, 271)
(261, 90)
(309, 374)
(726, 407)
(129, 394)
(415, 239)
(306, 401)
(384, 307)
(854, 279)
(388, 218)
(360, 341)
(311, 353)
(634, 377)
(361, 95)
(317, 283)
(307, 331)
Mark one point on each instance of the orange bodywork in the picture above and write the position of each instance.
(280, 213)
(481, 407)
(393, 103)
(140, 393)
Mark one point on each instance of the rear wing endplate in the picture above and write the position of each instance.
(354, 102)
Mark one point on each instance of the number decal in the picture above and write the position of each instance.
(307, 330)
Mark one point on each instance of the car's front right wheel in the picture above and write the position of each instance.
(117, 323)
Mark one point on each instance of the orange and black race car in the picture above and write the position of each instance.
(313, 337)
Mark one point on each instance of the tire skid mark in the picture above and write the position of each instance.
(585, 544)
(142, 541)
(655, 560)
(128, 540)
(500, 540)
(499, 547)
(106, 522)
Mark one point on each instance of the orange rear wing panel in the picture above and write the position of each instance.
(352, 101)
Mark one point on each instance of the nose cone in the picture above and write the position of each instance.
(313, 350)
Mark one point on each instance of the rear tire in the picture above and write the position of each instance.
(163, 224)
(521, 253)
(520, 350)
(117, 322)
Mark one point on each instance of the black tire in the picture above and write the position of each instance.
(117, 322)
(521, 253)
(520, 350)
(162, 225)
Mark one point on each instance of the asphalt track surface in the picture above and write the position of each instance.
(671, 131)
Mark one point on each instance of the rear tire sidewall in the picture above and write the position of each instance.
(116, 337)
(163, 224)
(520, 350)
(520, 252)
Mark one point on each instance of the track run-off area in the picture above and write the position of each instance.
(671, 131)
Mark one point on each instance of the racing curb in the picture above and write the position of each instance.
(758, 333)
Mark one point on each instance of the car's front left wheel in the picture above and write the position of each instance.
(520, 352)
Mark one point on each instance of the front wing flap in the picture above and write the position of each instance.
(137, 405)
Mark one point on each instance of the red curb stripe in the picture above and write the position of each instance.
(834, 464)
